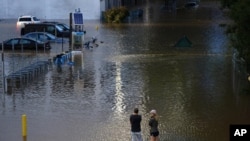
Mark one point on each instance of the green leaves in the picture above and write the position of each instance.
(116, 15)
(240, 31)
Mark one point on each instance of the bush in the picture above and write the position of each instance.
(116, 15)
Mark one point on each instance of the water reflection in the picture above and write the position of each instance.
(119, 95)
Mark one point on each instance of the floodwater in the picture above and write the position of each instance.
(135, 65)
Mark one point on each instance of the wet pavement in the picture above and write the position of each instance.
(134, 65)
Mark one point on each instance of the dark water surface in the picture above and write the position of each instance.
(135, 66)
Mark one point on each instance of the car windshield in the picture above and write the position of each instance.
(64, 26)
(39, 41)
(50, 36)
(59, 28)
(35, 19)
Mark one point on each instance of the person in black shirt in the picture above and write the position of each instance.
(135, 121)
(153, 123)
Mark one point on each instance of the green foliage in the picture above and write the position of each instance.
(228, 3)
(116, 15)
(240, 31)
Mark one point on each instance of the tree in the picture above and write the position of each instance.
(239, 31)
(228, 3)
(116, 14)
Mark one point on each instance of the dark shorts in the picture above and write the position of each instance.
(154, 134)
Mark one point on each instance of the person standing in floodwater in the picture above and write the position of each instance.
(135, 121)
(153, 123)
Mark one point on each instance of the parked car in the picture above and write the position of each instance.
(191, 4)
(22, 20)
(64, 26)
(44, 36)
(51, 28)
(25, 44)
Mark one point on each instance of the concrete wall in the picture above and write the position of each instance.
(49, 9)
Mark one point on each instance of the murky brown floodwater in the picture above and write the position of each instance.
(135, 66)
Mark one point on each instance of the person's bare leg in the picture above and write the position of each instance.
(152, 138)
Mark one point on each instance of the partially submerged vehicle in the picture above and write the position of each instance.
(192, 4)
(51, 28)
(22, 43)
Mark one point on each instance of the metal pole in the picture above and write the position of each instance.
(70, 26)
(36, 52)
(13, 51)
(62, 42)
(13, 66)
(4, 89)
(22, 64)
(43, 41)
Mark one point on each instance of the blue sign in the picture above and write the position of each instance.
(79, 33)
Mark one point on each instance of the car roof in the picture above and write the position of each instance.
(35, 24)
(54, 22)
(39, 33)
(21, 38)
(25, 16)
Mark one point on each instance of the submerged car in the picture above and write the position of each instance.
(191, 4)
(24, 44)
(44, 36)
(46, 27)
(65, 27)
